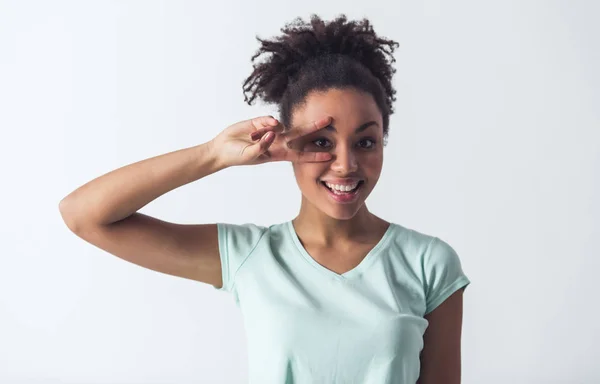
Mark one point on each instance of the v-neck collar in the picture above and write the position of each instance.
(366, 261)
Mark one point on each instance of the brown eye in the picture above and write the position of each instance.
(321, 142)
(370, 143)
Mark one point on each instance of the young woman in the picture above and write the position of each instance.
(337, 294)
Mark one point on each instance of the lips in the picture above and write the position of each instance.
(344, 197)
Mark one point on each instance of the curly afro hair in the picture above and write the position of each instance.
(321, 55)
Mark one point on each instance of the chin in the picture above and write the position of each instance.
(341, 210)
(341, 214)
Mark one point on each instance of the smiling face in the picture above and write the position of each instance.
(354, 138)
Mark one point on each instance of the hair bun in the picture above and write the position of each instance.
(303, 42)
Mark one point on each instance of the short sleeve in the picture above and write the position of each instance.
(443, 273)
(236, 243)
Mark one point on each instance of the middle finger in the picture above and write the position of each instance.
(256, 135)
(294, 132)
(305, 129)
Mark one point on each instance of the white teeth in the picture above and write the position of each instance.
(342, 188)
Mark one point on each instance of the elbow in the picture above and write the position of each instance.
(67, 213)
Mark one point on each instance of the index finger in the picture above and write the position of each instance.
(305, 129)
(281, 153)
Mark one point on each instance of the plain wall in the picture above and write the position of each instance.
(494, 147)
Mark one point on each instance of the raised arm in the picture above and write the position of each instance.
(104, 213)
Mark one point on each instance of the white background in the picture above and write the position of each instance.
(494, 147)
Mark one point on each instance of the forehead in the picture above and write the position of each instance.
(344, 105)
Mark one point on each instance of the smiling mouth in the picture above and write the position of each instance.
(342, 193)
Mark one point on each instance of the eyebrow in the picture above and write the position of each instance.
(366, 125)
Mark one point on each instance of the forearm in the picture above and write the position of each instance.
(121, 192)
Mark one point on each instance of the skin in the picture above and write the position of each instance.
(322, 221)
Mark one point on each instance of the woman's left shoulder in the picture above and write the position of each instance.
(426, 247)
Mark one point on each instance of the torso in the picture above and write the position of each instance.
(315, 323)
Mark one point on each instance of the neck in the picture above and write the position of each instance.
(317, 227)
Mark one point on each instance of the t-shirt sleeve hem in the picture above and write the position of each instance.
(248, 236)
(462, 281)
(222, 239)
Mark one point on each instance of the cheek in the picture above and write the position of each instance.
(373, 162)
(307, 173)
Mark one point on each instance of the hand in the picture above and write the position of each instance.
(264, 139)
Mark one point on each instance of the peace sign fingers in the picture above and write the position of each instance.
(306, 129)
(282, 148)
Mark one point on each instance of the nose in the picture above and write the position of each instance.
(344, 161)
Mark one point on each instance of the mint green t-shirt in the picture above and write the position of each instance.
(306, 324)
